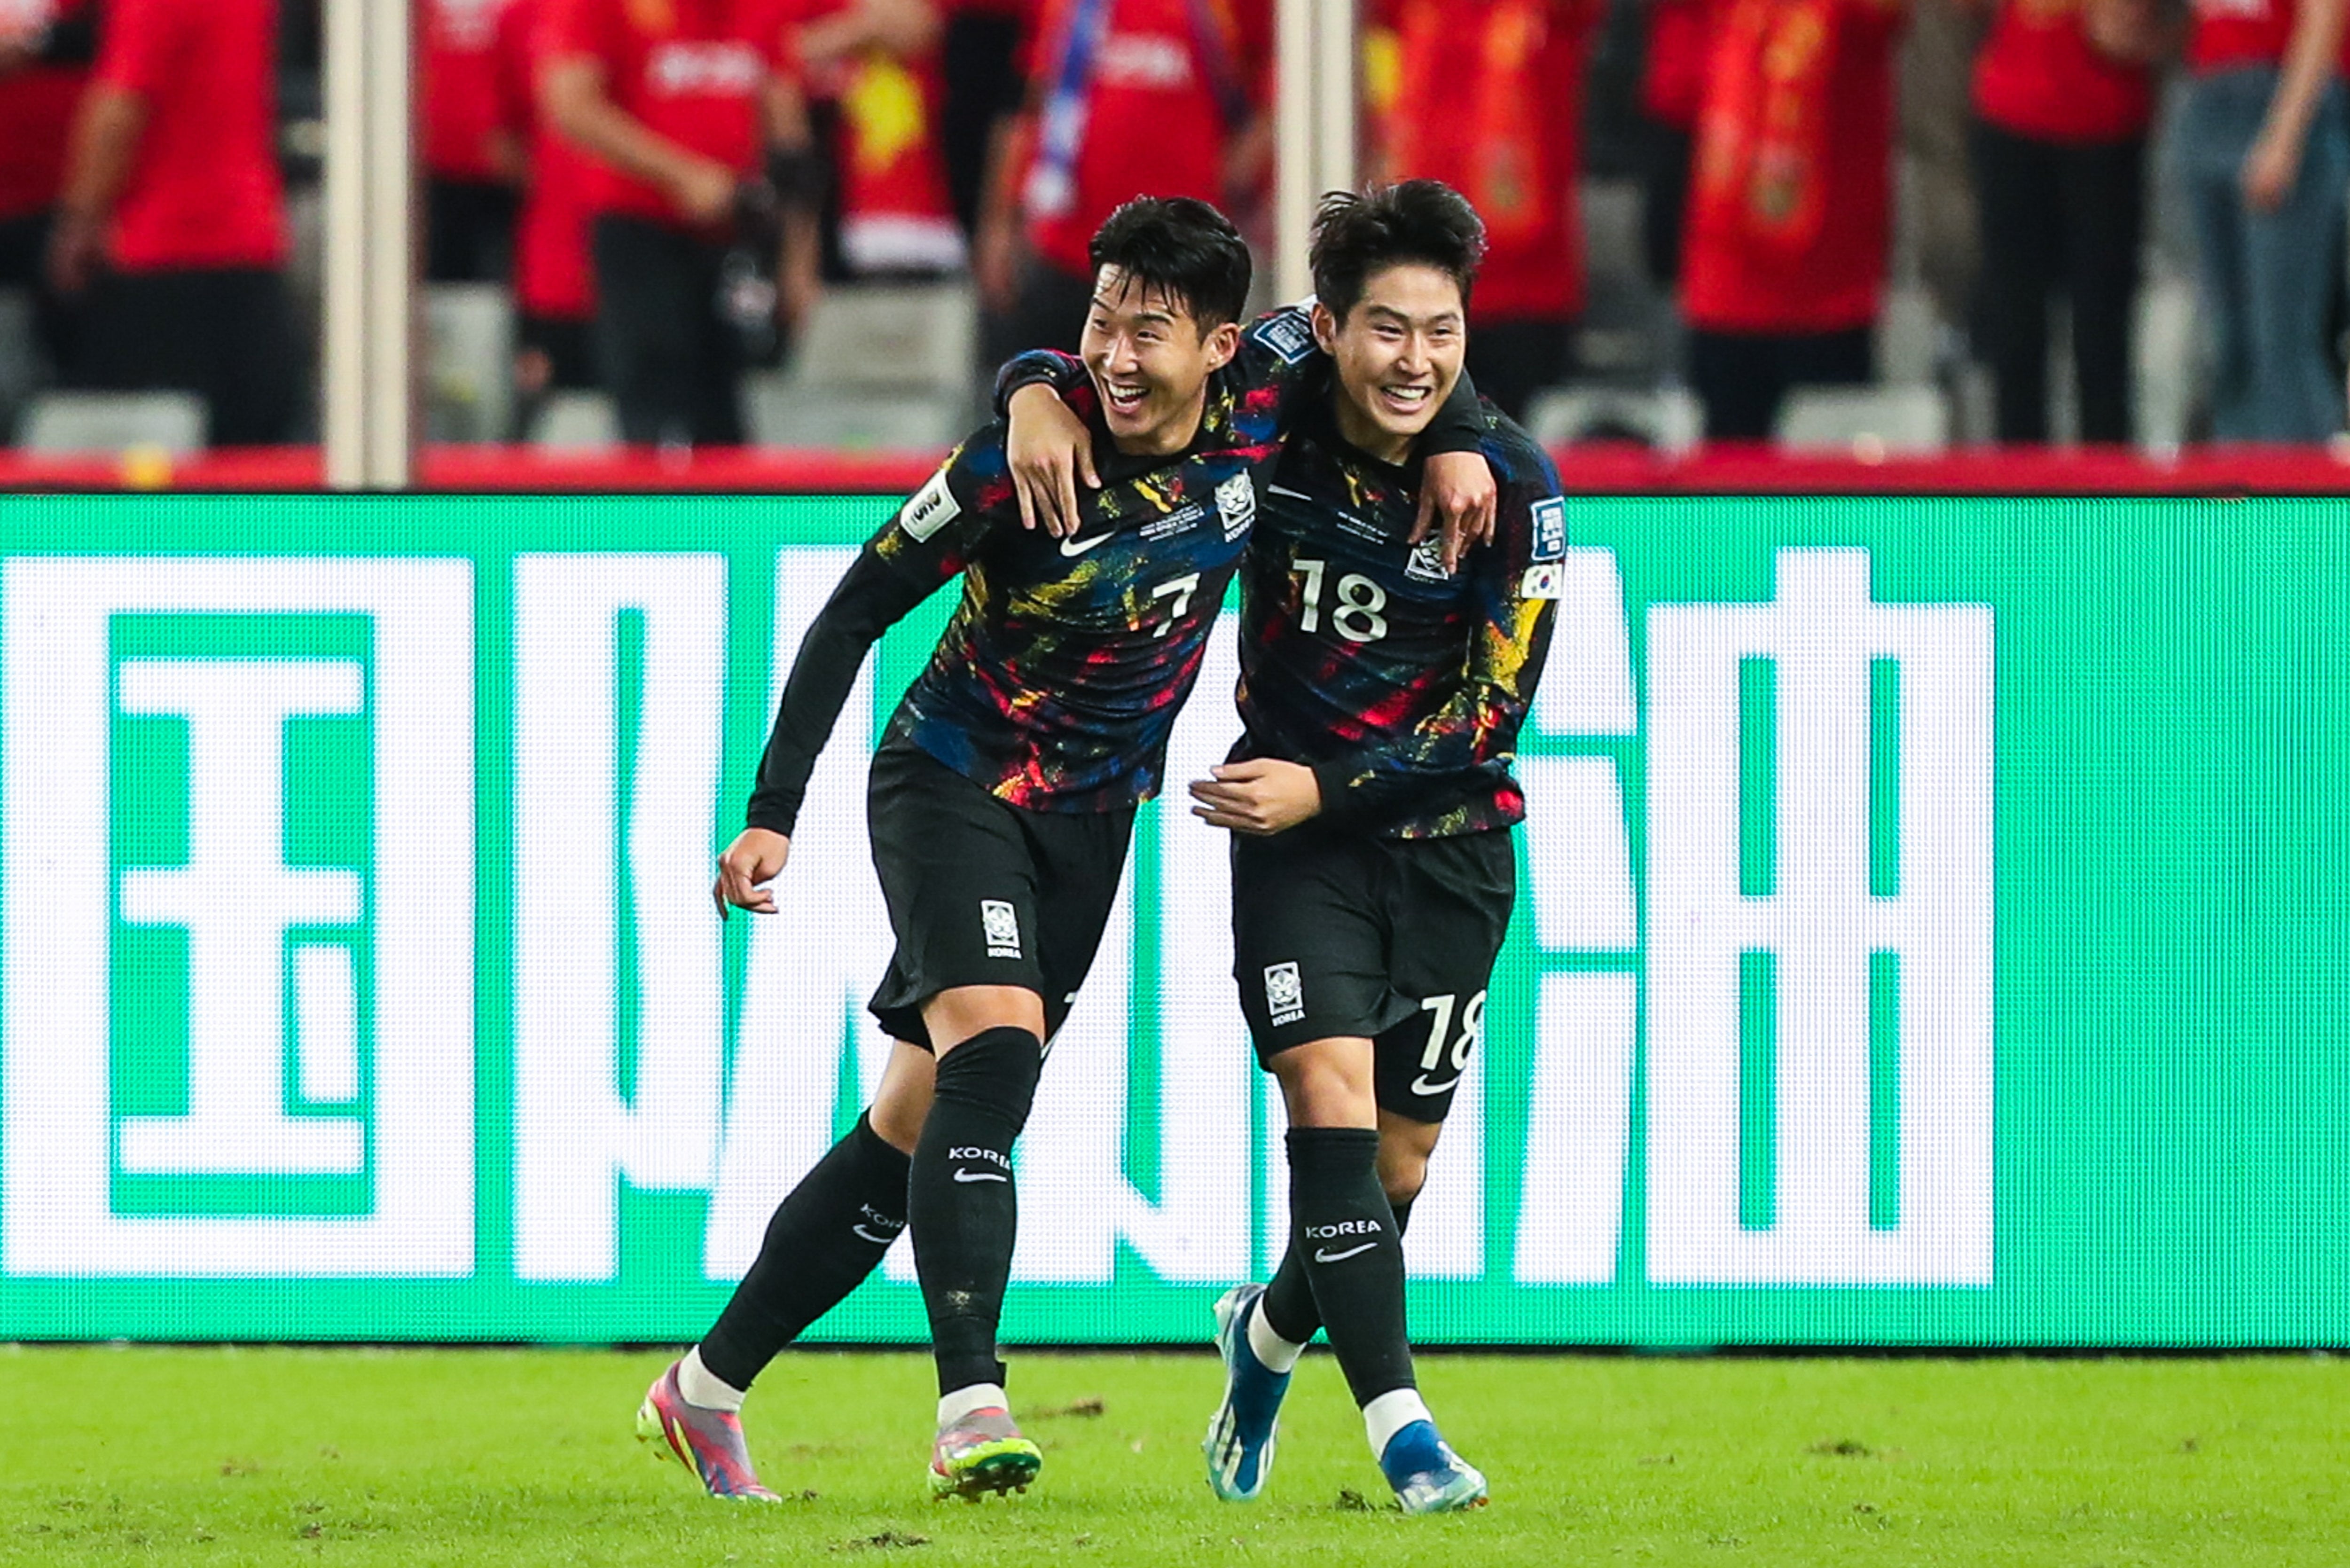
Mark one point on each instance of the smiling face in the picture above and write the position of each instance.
(1150, 362)
(1397, 354)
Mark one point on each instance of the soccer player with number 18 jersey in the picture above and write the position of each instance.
(1383, 683)
(1370, 801)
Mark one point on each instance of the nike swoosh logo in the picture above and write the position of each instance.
(1420, 1085)
(1074, 546)
(1284, 490)
(876, 1241)
(1323, 1257)
(980, 1176)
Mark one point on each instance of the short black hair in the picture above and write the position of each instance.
(1182, 247)
(1424, 221)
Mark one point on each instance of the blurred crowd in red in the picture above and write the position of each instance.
(667, 185)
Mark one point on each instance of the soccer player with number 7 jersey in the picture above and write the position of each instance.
(1382, 687)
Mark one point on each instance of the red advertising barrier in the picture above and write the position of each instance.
(1585, 470)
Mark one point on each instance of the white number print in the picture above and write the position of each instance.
(1360, 600)
(1472, 1035)
(1311, 620)
(1357, 617)
(1180, 589)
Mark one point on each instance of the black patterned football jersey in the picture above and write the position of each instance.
(1401, 684)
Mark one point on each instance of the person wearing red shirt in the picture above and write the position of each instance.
(554, 276)
(1127, 98)
(173, 216)
(871, 69)
(2063, 95)
(1672, 81)
(471, 161)
(1490, 100)
(678, 102)
(45, 57)
(2263, 150)
(1783, 260)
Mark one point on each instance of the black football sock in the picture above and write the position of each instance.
(826, 1235)
(962, 1200)
(1289, 1304)
(1345, 1237)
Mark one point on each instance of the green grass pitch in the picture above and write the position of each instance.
(494, 1457)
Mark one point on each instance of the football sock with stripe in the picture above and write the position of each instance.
(1345, 1237)
(829, 1233)
(962, 1198)
(1287, 1309)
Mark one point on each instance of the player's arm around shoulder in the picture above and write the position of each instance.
(1522, 572)
(1049, 449)
(1046, 400)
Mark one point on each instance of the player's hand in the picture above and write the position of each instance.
(755, 859)
(1457, 491)
(1261, 797)
(1048, 449)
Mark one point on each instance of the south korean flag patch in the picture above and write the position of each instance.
(1544, 580)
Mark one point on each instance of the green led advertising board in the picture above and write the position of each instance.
(1928, 935)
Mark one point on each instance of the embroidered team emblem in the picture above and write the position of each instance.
(1549, 528)
(1001, 926)
(1285, 993)
(1236, 504)
(1427, 563)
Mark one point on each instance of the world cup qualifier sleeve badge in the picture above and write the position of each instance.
(1285, 993)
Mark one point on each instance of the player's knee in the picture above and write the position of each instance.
(1404, 1149)
(1403, 1182)
(899, 1122)
(1327, 1083)
(1402, 1172)
(902, 1103)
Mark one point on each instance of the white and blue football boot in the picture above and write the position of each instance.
(1426, 1475)
(1240, 1440)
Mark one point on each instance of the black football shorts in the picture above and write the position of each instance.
(982, 892)
(1390, 939)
